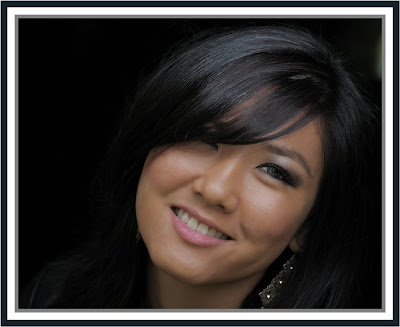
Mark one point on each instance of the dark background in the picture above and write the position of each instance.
(74, 76)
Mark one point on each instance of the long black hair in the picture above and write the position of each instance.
(238, 86)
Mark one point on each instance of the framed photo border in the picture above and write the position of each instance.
(8, 310)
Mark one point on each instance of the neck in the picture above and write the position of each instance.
(166, 292)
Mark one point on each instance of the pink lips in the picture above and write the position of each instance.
(192, 236)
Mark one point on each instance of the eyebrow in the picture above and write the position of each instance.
(292, 154)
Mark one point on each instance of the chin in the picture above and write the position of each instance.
(186, 271)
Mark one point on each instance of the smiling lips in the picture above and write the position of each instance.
(201, 228)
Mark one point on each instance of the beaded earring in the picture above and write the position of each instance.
(268, 294)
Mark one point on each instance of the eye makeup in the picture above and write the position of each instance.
(285, 152)
(281, 174)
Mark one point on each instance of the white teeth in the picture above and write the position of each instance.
(203, 229)
(211, 232)
(185, 217)
(193, 223)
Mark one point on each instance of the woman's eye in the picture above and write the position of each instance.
(278, 173)
(273, 171)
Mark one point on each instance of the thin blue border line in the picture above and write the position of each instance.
(4, 6)
(200, 3)
(3, 163)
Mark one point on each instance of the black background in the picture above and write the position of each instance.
(74, 76)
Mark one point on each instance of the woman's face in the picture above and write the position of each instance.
(256, 196)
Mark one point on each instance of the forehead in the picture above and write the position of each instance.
(310, 133)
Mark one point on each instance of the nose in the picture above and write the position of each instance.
(219, 185)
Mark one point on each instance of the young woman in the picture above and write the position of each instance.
(239, 178)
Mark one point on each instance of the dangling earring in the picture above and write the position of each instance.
(138, 237)
(268, 294)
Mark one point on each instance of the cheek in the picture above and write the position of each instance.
(169, 170)
(163, 174)
(158, 176)
(274, 216)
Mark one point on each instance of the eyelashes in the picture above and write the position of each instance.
(280, 173)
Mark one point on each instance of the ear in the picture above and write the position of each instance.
(298, 242)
